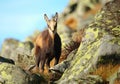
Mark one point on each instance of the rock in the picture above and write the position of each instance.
(71, 23)
(8, 46)
(88, 79)
(6, 60)
(92, 79)
(99, 47)
(81, 11)
(76, 15)
(61, 67)
(57, 70)
(24, 56)
(11, 74)
(37, 79)
(19, 52)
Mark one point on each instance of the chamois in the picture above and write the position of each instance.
(48, 44)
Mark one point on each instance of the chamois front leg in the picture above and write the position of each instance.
(42, 66)
(56, 60)
(48, 61)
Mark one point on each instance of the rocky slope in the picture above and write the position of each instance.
(97, 59)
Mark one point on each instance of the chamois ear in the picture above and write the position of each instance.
(46, 18)
(56, 16)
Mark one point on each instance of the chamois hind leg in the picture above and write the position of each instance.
(37, 57)
(43, 58)
(37, 60)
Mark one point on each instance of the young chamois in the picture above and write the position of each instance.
(48, 44)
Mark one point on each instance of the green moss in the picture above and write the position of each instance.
(99, 17)
(108, 21)
(6, 76)
(116, 31)
(91, 30)
(97, 23)
(115, 40)
(109, 14)
(87, 56)
(102, 12)
(1, 68)
(116, 28)
(21, 45)
(85, 53)
(118, 42)
(110, 26)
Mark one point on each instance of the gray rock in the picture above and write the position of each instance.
(99, 46)
(8, 46)
(11, 74)
(19, 52)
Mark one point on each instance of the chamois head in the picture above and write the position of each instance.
(52, 23)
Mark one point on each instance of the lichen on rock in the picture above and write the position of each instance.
(99, 46)
(11, 74)
(20, 52)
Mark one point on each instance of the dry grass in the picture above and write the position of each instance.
(72, 45)
(69, 48)
(117, 81)
(107, 70)
(77, 36)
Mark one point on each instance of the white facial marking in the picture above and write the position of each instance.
(52, 25)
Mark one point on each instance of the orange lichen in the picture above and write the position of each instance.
(92, 11)
(71, 23)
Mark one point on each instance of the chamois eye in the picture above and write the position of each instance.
(48, 26)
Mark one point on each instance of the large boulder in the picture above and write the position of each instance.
(11, 74)
(99, 52)
(75, 16)
(8, 46)
(20, 52)
(24, 54)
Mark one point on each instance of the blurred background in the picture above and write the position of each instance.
(20, 18)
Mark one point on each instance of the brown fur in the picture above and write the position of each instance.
(44, 46)
(44, 41)
(47, 43)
